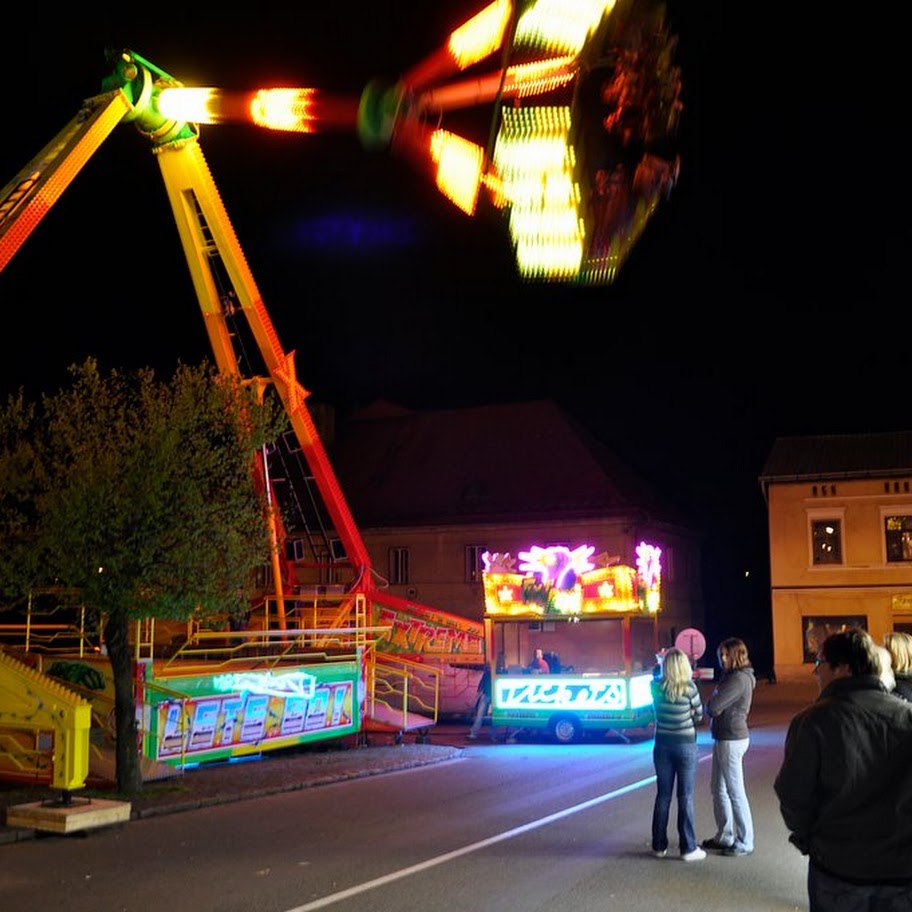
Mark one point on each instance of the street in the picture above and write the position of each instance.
(503, 827)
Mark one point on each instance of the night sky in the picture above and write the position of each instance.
(767, 298)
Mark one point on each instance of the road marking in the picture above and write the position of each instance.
(465, 850)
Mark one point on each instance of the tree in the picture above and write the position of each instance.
(141, 495)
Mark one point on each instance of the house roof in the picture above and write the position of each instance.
(836, 456)
(513, 462)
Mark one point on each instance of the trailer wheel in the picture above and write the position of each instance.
(566, 729)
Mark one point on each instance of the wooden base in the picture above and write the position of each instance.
(59, 817)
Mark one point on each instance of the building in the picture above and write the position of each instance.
(431, 491)
(840, 537)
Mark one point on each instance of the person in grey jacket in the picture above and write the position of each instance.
(845, 784)
(728, 708)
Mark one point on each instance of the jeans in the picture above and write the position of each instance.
(674, 759)
(734, 824)
(830, 894)
(482, 706)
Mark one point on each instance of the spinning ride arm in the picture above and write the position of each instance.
(579, 155)
(219, 271)
(550, 169)
(34, 190)
(206, 233)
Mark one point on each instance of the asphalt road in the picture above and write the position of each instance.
(494, 827)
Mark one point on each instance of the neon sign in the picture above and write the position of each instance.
(611, 694)
(560, 581)
(297, 683)
(557, 565)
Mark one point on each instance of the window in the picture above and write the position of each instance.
(399, 566)
(473, 563)
(898, 537)
(817, 628)
(337, 549)
(826, 541)
(294, 549)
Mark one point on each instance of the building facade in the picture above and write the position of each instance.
(840, 540)
(432, 491)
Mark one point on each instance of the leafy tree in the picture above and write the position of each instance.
(142, 495)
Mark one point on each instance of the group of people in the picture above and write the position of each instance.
(679, 710)
(845, 783)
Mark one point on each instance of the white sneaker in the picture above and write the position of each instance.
(696, 855)
(659, 853)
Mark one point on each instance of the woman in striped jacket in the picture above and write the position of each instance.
(678, 711)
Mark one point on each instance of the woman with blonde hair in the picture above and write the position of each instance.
(885, 667)
(899, 645)
(678, 710)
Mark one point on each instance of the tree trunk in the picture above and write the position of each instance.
(117, 640)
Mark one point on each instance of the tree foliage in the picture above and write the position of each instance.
(141, 494)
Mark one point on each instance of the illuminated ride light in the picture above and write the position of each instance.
(556, 26)
(559, 582)
(650, 571)
(296, 683)
(471, 43)
(580, 152)
(293, 109)
(557, 565)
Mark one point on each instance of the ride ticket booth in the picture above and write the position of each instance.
(596, 627)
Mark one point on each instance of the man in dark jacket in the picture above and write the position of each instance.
(845, 784)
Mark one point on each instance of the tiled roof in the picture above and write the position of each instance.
(836, 456)
(518, 461)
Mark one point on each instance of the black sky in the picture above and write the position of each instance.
(767, 298)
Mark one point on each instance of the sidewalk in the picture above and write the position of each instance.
(281, 771)
(321, 764)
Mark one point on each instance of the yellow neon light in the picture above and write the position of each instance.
(560, 26)
(535, 160)
(481, 35)
(200, 105)
(459, 165)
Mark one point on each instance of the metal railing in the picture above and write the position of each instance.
(403, 688)
(330, 627)
(213, 650)
(60, 630)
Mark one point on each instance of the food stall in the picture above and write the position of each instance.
(595, 621)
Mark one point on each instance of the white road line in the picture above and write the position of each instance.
(465, 850)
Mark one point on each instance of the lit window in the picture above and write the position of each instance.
(898, 534)
(826, 535)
